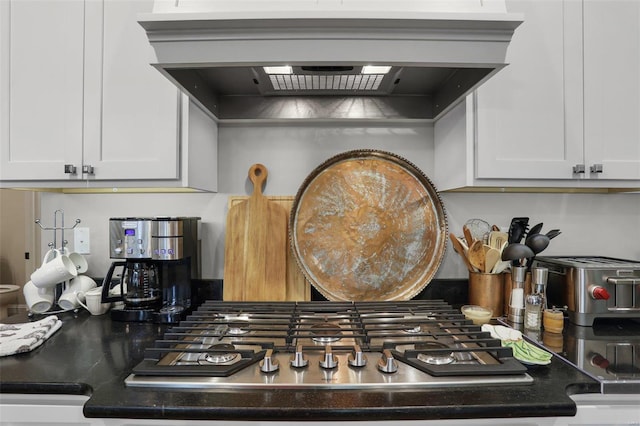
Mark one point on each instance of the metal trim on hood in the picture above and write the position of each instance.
(436, 58)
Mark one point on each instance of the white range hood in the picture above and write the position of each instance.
(431, 54)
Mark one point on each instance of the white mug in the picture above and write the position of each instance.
(50, 254)
(39, 300)
(74, 293)
(93, 301)
(78, 260)
(54, 270)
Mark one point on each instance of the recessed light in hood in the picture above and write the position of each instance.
(431, 60)
(283, 69)
(375, 69)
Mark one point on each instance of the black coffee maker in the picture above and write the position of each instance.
(161, 257)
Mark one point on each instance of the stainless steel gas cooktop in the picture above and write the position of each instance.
(232, 345)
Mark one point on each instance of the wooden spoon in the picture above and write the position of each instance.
(491, 257)
(476, 255)
(459, 248)
(467, 235)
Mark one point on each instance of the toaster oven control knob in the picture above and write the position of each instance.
(328, 361)
(598, 360)
(298, 360)
(599, 293)
(268, 363)
(357, 358)
(387, 363)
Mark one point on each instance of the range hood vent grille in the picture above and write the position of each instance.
(306, 83)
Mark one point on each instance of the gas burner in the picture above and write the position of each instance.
(237, 329)
(325, 332)
(219, 358)
(237, 325)
(413, 329)
(435, 358)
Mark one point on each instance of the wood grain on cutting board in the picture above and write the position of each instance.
(244, 278)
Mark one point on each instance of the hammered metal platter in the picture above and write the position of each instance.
(368, 225)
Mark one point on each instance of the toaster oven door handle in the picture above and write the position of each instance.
(627, 281)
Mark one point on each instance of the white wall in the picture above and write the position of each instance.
(591, 224)
(292, 152)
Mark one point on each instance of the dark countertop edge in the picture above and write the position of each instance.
(562, 408)
(453, 412)
(45, 388)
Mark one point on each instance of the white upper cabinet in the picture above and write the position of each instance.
(527, 116)
(564, 113)
(78, 91)
(41, 88)
(131, 110)
(612, 89)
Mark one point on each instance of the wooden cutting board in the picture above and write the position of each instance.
(255, 266)
(298, 288)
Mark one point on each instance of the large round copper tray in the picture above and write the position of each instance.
(368, 225)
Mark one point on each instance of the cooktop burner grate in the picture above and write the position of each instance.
(326, 344)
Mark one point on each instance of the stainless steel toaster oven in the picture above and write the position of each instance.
(593, 287)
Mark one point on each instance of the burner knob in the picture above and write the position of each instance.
(328, 361)
(387, 364)
(599, 293)
(357, 358)
(268, 363)
(298, 360)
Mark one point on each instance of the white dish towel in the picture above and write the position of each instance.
(25, 337)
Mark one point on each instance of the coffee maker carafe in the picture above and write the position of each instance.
(161, 257)
(141, 281)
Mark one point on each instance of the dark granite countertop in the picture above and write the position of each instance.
(92, 355)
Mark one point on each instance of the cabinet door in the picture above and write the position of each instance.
(41, 88)
(132, 111)
(529, 115)
(612, 87)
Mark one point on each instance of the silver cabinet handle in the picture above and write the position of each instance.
(88, 169)
(596, 168)
(69, 169)
(578, 168)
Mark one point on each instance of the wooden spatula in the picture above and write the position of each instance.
(497, 239)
